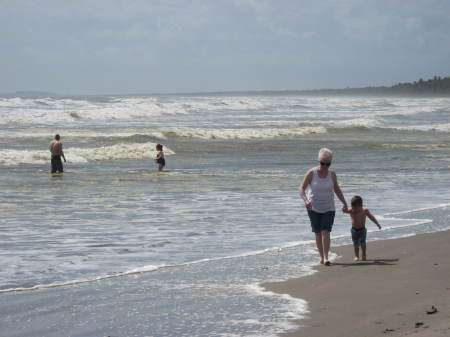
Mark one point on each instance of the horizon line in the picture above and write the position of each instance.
(214, 92)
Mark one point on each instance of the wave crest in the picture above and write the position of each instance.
(244, 134)
(120, 151)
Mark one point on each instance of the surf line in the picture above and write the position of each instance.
(150, 269)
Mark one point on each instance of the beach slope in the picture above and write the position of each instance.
(388, 295)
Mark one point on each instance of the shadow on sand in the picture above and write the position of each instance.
(370, 262)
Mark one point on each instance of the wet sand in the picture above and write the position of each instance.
(388, 295)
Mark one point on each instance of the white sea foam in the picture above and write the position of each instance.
(220, 134)
(417, 147)
(293, 309)
(244, 134)
(118, 151)
(367, 123)
(306, 270)
(324, 112)
(54, 111)
(140, 270)
(418, 210)
(411, 223)
(30, 133)
(425, 127)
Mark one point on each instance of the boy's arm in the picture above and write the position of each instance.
(372, 218)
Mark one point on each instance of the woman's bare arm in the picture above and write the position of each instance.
(302, 188)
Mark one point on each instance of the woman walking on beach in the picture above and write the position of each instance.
(317, 191)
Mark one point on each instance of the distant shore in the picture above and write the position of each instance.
(434, 87)
(389, 295)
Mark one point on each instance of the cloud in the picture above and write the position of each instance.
(322, 42)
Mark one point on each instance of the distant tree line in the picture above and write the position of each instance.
(436, 86)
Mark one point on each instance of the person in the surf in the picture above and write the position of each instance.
(159, 159)
(57, 152)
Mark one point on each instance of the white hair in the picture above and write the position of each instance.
(326, 154)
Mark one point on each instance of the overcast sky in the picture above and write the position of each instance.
(148, 46)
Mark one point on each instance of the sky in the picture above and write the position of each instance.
(162, 46)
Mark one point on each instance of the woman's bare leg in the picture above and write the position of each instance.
(319, 246)
(326, 244)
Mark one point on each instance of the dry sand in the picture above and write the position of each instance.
(385, 296)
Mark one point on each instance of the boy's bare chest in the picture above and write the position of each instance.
(358, 220)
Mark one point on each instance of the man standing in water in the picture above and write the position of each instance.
(57, 152)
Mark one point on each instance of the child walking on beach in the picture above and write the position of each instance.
(159, 159)
(358, 215)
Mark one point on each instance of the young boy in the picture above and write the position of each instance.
(358, 214)
(160, 160)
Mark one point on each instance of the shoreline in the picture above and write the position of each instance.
(80, 308)
(385, 296)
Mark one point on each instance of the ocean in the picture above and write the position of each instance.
(197, 240)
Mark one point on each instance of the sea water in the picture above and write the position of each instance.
(195, 242)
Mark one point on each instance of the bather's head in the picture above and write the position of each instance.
(356, 201)
(325, 157)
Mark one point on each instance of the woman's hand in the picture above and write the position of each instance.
(308, 204)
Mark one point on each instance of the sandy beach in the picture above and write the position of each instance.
(388, 295)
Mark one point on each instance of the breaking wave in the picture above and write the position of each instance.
(45, 111)
(427, 127)
(244, 134)
(118, 151)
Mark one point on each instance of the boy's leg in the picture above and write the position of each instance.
(363, 249)
(356, 252)
(355, 243)
(363, 244)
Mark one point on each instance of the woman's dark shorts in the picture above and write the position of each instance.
(321, 221)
